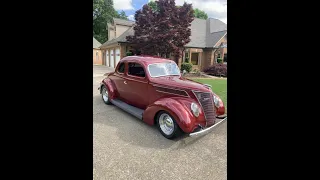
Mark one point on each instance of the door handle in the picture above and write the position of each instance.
(125, 82)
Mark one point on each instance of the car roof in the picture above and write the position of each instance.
(146, 60)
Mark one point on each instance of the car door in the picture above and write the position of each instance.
(118, 79)
(136, 82)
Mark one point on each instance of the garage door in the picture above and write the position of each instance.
(111, 58)
(107, 58)
(117, 56)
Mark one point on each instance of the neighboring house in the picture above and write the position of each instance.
(208, 42)
(97, 55)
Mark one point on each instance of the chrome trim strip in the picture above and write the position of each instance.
(207, 130)
(156, 85)
(134, 80)
(172, 93)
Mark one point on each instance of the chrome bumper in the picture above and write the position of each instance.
(207, 130)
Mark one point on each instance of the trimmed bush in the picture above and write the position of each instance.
(217, 70)
(219, 60)
(186, 66)
(129, 53)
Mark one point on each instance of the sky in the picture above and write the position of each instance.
(214, 8)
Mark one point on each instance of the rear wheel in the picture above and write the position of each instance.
(105, 95)
(167, 125)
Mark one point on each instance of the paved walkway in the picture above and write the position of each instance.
(100, 70)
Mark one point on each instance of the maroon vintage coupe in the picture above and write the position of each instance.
(153, 90)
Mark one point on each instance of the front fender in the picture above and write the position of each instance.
(179, 109)
(110, 85)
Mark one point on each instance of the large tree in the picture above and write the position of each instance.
(164, 31)
(197, 12)
(122, 15)
(103, 12)
(200, 14)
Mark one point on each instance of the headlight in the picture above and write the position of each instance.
(195, 109)
(216, 101)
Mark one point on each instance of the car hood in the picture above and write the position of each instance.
(179, 82)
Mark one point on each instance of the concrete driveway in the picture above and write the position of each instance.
(124, 147)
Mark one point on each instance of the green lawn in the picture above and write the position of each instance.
(219, 86)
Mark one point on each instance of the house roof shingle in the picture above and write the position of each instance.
(198, 33)
(123, 22)
(216, 25)
(96, 43)
(215, 37)
(204, 33)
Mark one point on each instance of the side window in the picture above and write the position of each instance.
(135, 69)
(121, 68)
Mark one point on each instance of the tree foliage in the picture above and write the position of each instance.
(164, 31)
(200, 14)
(103, 12)
(153, 6)
(122, 15)
(197, 12)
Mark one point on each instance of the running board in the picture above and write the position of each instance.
(128, 108)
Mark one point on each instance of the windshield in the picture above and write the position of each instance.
(163, 69)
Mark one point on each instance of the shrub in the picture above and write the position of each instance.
(186, 60)
(219, 60)
(129, 53)
(217, 70)
(186, 66)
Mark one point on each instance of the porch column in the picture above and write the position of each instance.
(183, 56)
(222, 53)
(213, 57)
(179, 62)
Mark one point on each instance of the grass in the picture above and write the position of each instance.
(219, 86)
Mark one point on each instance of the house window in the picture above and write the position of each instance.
(186, 57)
(225, 58)
(195, 58)
(136, 69)
(121, 68)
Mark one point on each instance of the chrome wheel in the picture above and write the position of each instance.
(166, 124)
(105, 95)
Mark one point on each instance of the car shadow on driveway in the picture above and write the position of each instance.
(133, 130)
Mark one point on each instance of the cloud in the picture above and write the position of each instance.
(123, 5)
(131, 17)
(214, 8)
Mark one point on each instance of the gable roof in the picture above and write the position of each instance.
(216, 25)
(198, 33)
(121, 38)
(214, 38)
(123, 22)
(96, 43)
(204, 33)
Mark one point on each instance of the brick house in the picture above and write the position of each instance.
(208, 42)
(97, 54)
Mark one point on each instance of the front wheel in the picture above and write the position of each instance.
(105, 95)
(167, 125)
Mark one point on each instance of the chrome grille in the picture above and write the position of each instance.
(206, 101)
